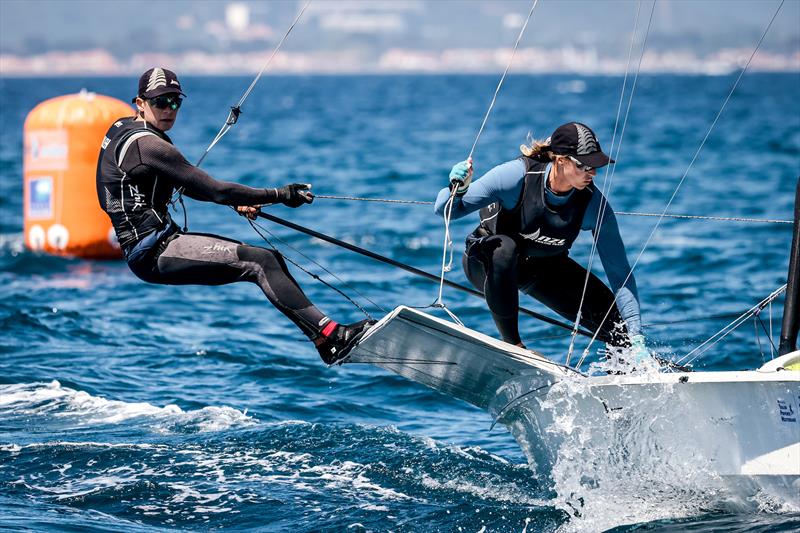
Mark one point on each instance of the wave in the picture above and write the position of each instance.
(332, 475)
(79, 408)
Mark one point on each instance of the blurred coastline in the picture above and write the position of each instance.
(223, 37)
(100, 62)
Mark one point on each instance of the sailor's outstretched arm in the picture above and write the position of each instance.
(165, 159)
(501, 184)
(612, 254)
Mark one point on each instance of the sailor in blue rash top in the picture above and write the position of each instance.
(532, 210)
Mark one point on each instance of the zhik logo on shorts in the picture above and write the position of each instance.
(214, 248)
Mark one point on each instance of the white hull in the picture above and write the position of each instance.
(741, 428)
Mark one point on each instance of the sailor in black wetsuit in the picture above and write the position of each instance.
(137, 173)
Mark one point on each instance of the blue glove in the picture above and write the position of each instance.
(461, 177)
(639, 350)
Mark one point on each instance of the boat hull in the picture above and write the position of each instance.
(737, 429)
(709, 430)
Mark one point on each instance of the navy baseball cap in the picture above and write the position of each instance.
(579, 141)
(158, 81)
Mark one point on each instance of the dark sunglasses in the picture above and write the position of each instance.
(166, 101)
(579, 165)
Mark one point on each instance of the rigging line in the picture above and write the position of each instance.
(311, 274)
(702, 217)
(718, 336)
(623, 213)
(361, 199)
(274, 53)
(233, 116)
(758, 342)
(694, 158)
(407, 268)
(502, 78)
(607, 181)
(772, 349)
(604, 203)
(257, 226)
(448, 243)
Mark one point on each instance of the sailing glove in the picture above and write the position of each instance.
(295, 194)
(461, 177)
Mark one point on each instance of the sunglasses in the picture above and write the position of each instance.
(579, 165)
(166, 101)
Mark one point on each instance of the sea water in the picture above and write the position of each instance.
(133, 407)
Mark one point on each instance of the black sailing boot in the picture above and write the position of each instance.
(334, 346)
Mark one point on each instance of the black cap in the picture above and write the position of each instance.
(158, 81)
(579, 141)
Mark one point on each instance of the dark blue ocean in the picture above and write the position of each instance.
(133, 407)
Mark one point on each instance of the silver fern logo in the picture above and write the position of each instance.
(587, 143)
(537, 237)
(532, 236)
(157, 79)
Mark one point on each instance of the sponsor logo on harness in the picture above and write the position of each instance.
(138, 198)
(217, 248)
(106, 140)
(118, 123)
(538, 238)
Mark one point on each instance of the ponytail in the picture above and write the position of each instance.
(538, 150)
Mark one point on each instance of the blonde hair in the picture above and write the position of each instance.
(539, 150)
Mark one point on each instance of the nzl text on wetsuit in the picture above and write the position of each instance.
(501, 262)
(137, 173)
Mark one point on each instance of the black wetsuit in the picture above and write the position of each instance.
(137, 173)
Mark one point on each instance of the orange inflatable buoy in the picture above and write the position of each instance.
(62, 142)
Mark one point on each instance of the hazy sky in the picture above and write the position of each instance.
(125, 26)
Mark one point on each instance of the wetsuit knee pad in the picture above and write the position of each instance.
(268, 259)
(501, 250)
(274, 277)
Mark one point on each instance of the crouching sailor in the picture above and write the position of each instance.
(138, 171)
(531, 211)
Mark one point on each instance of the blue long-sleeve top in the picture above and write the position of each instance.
(504, 183)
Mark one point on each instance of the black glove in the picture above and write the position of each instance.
(295, 194)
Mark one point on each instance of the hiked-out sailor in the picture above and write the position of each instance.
(137, 173)
(531, 210)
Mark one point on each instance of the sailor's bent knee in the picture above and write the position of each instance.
(502, 251)
(263, 257)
